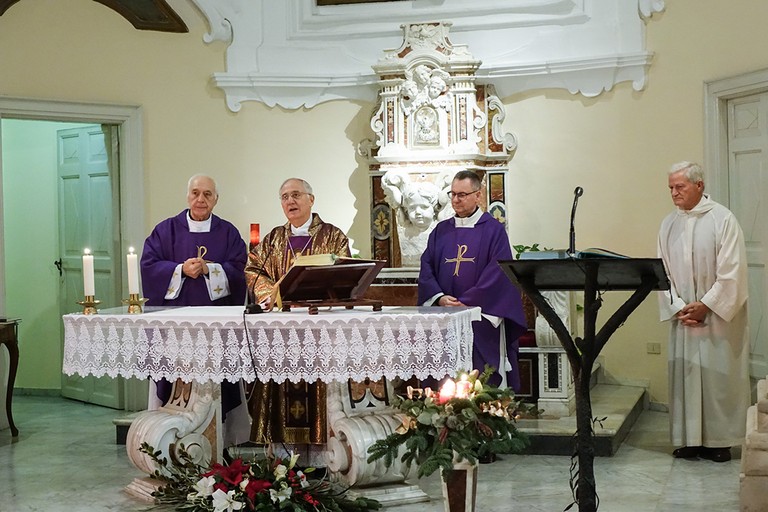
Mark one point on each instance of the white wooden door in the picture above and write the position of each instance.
(88, 217)
(748, 190)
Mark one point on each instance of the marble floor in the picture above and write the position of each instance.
(66, 459)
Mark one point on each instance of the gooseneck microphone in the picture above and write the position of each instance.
(251, 307)
(576, 195)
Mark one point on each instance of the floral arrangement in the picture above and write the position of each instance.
(264, 485)
(467, 419)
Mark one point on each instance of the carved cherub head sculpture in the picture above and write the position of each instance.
(436, 86)
(416, 203)
(420, 204)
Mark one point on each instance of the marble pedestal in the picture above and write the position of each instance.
(556, 396)
(753, 490)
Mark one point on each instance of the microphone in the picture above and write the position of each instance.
(578, 191)
(254, 308)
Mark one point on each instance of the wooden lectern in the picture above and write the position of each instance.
(341, 284)
(592, 275)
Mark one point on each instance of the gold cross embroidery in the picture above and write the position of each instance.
(216, 271)
(171, 290)
(459, 259)
(218, 290)
(297, 409)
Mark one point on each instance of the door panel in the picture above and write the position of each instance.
(748, 186)
(88, 216)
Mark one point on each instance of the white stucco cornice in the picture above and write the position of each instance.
(293, 54)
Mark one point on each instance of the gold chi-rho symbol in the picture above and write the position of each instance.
(459, 259)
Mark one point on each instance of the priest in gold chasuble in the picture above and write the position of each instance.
(288, 412)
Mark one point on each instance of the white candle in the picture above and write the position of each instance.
(133, 272)
(88, 284)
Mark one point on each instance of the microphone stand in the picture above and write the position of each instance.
(578, 191)
(253, 308)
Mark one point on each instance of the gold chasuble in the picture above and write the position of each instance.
(288, 412)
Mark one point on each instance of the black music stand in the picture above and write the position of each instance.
(641, 275)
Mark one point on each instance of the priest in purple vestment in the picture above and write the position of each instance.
(459, 268)
(195, 259)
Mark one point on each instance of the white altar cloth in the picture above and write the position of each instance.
(212, 344)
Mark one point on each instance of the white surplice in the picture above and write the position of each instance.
(705, 257)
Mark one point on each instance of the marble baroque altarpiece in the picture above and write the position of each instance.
(431, 121)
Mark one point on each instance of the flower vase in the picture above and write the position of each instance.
(460, 487)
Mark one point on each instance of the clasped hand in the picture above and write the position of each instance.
(693, 313)
(194, 267)
(449, 300)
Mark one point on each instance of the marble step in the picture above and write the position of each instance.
(616, 407)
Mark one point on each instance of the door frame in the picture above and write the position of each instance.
(716, 96)
(717, 93)
(131, 162)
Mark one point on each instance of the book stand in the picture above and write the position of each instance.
(342, 284)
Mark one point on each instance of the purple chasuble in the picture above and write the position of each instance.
(171, 243)
(463, 262)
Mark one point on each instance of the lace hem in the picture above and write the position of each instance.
(213, 344)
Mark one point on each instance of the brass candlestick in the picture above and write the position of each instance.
(134, 303)
(89, 305)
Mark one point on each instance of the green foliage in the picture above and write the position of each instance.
(520, 249)
(438, 431)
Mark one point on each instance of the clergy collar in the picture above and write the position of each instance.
(199, 226)
(469, 222)
(302, 230)
(704, 205)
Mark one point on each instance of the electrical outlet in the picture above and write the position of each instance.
(653, 348)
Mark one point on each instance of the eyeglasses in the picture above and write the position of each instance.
(461, 195)
(295, 195)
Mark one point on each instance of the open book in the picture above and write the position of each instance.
(596, 252)
(560, 254)
(324, 259)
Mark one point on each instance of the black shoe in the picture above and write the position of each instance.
(687, 452)
(716, 454)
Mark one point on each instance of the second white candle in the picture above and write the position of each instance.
(133, 272)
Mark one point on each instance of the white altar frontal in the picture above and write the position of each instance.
(203, 346)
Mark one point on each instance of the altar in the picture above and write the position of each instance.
(202, 346)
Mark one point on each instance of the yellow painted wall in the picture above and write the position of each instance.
(617, 146)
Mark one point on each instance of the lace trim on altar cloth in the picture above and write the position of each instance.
(212, 344)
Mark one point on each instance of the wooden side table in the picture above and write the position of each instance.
(9, 338)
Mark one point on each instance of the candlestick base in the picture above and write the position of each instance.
(89, 305)
(134, 303)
